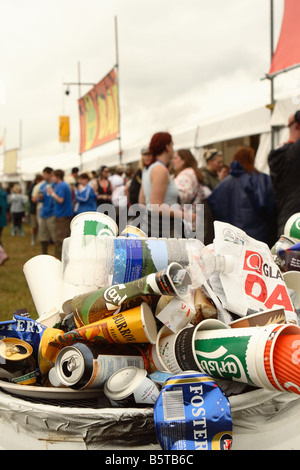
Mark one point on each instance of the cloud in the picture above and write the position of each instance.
(180, 61)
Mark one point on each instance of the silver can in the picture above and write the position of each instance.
(81, 366)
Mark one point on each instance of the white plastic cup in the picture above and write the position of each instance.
(93, 223)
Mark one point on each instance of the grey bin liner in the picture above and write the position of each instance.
(262, 420)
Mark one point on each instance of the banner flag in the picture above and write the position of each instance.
(11, 162)
(64, 129)
(99, 113)
(287, 53)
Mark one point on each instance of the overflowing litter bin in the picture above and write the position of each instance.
(158, 344)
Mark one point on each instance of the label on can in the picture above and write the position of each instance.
(192, 413)
(105, 365)
(24, 329)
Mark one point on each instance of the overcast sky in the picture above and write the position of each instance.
(180, 62)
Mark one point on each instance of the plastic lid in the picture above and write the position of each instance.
(53, 378)
(123, 382)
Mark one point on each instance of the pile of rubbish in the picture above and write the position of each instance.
(167, 323)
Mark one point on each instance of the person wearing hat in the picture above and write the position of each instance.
(284, 164)
(214, 162)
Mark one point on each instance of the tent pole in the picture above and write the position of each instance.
(272, 78)
(79, 96)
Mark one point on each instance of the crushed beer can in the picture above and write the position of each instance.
(192, 413)
(17, 363)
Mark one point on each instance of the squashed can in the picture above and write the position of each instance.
(82, 366)
(17, 363)
(192, 413)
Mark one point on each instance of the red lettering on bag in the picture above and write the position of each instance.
(279, 296)
(253, 262)
(253, 281)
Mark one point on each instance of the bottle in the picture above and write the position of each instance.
(203, 264)
(96, 305)
(102, 261)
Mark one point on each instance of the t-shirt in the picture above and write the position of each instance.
(65, 209)
(47, 209)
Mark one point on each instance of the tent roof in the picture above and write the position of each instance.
(255, 121)
(252, 122)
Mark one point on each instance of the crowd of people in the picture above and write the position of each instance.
(170, 186)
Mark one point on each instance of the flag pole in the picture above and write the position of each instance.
(118, 85)
(79, 96)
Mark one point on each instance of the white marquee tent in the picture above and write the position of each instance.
(257, 121)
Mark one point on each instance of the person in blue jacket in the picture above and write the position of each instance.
(245, 198)
(85, 196)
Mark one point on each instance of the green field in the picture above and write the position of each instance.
(14, 290)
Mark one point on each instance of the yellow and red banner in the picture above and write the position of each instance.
(99, 113)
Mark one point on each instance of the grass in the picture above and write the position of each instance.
(14, 290)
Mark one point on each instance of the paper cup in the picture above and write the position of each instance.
(93, 223)
(281, 357)
(133, 232)
(261, 319)
(129, 387)
(43, 274)
(185, 343)
(235, 354)
(286, 362)
(154, 359)
(292, 280)
(174, 280)
(51, 318)
(166, 348)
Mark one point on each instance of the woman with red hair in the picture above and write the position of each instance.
(245, 198)
(158, 191)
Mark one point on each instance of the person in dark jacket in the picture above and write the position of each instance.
(245, 198)
(284, 164)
